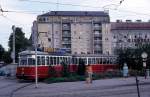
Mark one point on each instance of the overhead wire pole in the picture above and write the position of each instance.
(35, 31)
(14, 49)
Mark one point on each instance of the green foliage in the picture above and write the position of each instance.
(6, 57)
(65, 79)
(52, 72)
(107, 74)
(81, 67)
(75, 77)
(133, 57)
(21, 42)
(65, 69)
(2, 51)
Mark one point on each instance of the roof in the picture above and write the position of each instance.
(28, 52)
(75, 13)
(130, 26)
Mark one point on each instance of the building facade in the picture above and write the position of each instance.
(129, 34)
(78, 32)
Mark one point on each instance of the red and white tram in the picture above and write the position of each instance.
(26, 67)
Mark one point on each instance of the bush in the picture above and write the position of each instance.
(75, 77)
(65, 79)
(52, 72)
(108, 74)
(136, 72)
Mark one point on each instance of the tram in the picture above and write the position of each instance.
(46, 61)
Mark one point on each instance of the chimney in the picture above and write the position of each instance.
(139, 21)
(128, 21)
(118, 21)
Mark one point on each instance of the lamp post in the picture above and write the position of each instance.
(13, 53)
(35, 31)
(136, 76)
(144, 56)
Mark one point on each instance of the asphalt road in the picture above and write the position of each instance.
(119, 87)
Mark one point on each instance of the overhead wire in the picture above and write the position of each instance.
(58, 3)
(104, 7)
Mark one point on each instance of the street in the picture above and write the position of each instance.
(117, 87)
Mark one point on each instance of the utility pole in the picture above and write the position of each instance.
(14, 51)
(35, 31)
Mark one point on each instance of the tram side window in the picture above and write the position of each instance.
(57, 59)
(31, 61)
(93, 61)
(47, 61)
(43, 60)
(60, 60)
(104, 61)
(111, 61)
(51, 61)
(23, 62)
(54, 61)
(74, 60)
(39, 60)
(69, 61)
(97, 61)
(89, 61)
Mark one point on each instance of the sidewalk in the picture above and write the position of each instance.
(49, 90)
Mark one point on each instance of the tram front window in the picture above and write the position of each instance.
(23, 61)
(31, 61)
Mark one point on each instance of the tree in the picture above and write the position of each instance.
(21, 43)
(6, 57)
(132, 56)
(2, 51)
(65, 69)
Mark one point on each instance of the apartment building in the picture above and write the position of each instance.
(129, 34)
(78, 32)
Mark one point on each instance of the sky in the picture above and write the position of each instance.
(27, 11)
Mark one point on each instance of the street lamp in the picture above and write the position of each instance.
(136, 76)
(13, 53)
(144, 56)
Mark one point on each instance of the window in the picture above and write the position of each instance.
(47, 61)
(51, 61)
(43, 60)
(57, 60)
(89, 61)
(114, 37)
(145, 36)
(54, 59)
(39, 60)
(135, 36)
(31, 61)
(49, 39)
(23, 61)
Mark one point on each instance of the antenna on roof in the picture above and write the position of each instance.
(57, 5)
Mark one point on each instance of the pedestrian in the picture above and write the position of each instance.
(125, 70)
(89, 73)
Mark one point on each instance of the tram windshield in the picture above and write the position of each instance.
(23, 61)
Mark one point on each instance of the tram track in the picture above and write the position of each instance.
(21, 87)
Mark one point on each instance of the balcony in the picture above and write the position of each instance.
(66, 27)
(66, 35)
(98, 36)
(66, 42)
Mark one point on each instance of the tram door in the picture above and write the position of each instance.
(81, 66)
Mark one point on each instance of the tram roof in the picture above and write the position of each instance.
(28, 52)
(93, 55)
